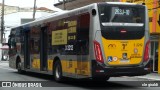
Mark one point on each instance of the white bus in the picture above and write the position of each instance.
(97, 41)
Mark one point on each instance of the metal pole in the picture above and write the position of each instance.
(34, 10)
(2, 25)
(64, 6)
(2, 21)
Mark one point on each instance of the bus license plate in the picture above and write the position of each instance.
(124, 61)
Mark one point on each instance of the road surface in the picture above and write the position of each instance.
(8, 74)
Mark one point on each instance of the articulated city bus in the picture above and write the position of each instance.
(97, 41)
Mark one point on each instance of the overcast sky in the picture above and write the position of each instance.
(30, 3)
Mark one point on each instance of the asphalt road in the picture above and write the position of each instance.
(128, 83)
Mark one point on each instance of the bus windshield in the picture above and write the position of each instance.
(121, 14)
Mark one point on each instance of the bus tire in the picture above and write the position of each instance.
(57, 70)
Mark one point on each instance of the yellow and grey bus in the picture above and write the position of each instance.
(97, 41)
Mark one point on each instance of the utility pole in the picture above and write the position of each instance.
(2, 27)
(2, 21)
(64, 5)
(34, 10)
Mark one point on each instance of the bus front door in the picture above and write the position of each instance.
(43, 49)
(26, 50)
(83, 58)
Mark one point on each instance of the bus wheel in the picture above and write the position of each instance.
(57, 71)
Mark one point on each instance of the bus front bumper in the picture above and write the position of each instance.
(99, 71)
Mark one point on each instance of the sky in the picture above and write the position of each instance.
(26, 3)
(30, 3)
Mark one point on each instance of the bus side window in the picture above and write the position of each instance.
(83, 34)
(13, 42)
(9, 42)
(83, 44)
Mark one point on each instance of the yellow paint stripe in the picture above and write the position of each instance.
(36, 64)
(50, 66)
(74, 67)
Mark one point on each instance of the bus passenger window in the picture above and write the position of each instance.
(9, 42)
(83, 35)
(36, 46)
(13, 43)
(83, 47)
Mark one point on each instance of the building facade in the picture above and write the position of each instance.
(9, 9)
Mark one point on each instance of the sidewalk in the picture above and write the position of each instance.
(4, 61)
(151, 76)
